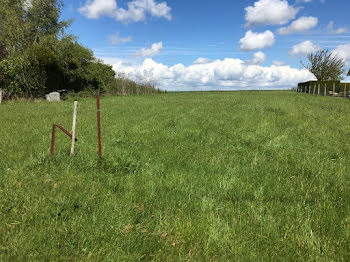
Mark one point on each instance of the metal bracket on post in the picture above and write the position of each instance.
(53, 136)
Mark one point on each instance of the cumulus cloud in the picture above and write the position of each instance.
(300, 25)
(270, 12)
(202, 61)
(278, 63)
(304, 48)
(258, 59)
(136, 11)
(332, 30)
(228, 73)
(254, 41)
(116, 39)
(343, 51)
(153, 51)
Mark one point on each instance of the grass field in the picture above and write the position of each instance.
(234, 176)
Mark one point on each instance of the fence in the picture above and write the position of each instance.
(325, 88)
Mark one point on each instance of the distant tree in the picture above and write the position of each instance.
(325, 65)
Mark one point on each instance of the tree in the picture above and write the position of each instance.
(3, 55)
(24, 25)
(325, 65)
(37, 56)
(24, 22)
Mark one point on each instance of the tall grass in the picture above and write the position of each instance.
(241, 176)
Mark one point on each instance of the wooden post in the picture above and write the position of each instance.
(325, 89)
(0, 96)
(319, 89)
(333, 89)
(99, 127)
(74, 127)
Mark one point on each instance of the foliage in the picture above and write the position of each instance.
(24, 23)
(123, 86)
(3, 52)
(37, 57)
(233, 176)
(325, 65)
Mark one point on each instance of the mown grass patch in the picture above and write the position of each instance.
(230, 176)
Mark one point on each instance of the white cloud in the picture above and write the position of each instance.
(258, 59)
(300, 25)
(254, 41)
(153, 51)
(116, 39)
(228, 73)
(270, 12)
(202, 61)
(136, 11)
(304, 48)
(97, 8)
(278, 63)
(332, 30)
(343, 51)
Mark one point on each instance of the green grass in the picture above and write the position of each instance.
(236, 176)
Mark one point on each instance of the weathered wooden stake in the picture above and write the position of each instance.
(0, 96)
(99, 127)
(74, 127)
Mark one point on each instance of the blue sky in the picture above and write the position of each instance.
(206, 44)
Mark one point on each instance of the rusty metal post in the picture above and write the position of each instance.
(53, 136)
(53, 139)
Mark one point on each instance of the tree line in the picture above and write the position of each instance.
(37, 56)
